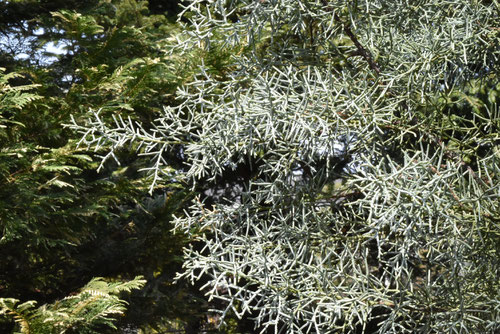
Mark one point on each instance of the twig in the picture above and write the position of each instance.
(360, 49)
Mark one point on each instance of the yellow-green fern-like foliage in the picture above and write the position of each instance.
(92, 310)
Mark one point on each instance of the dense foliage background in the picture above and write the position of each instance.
(62, 222)
(277, 165)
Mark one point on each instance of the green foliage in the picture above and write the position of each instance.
(14, 97)
(93, 309)
(347, 163)
(61, 221)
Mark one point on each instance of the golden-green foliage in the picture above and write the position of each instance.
(92, 310)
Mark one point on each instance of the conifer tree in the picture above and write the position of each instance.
(347, 160)
(62, 222)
